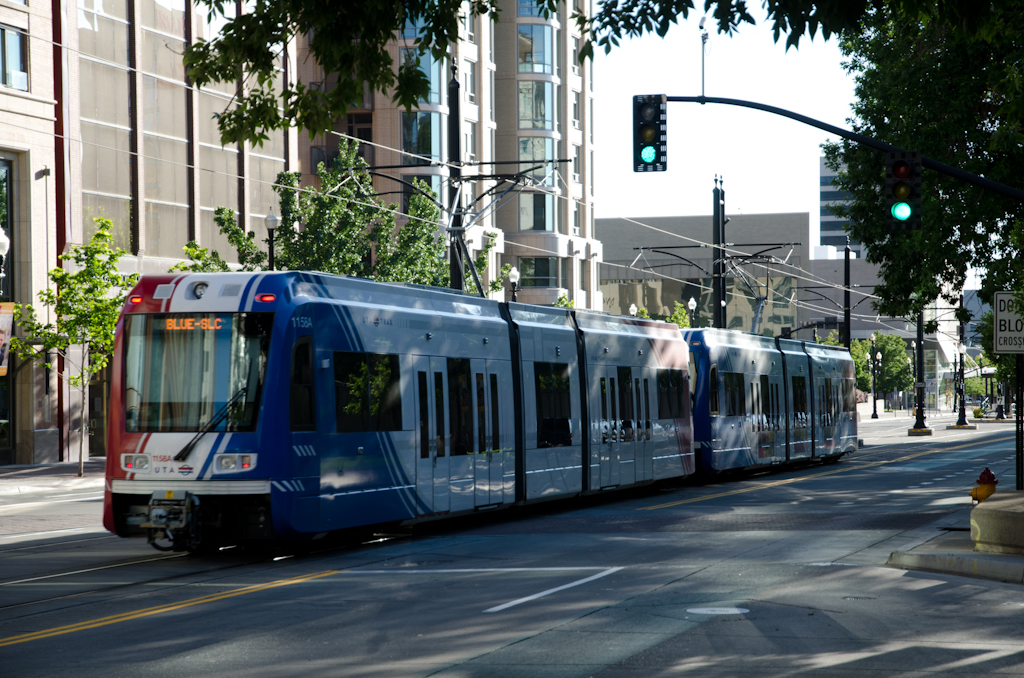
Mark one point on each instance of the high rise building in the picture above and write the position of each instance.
(525, 103)
(97, 119)
(833, 230)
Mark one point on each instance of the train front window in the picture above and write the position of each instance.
(185, 370)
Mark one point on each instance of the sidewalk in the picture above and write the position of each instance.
(20, 479)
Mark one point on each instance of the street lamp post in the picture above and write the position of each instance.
(271, 223)
(910, 368)
(874, 402)
(692, 305)
(962, 421)
(513, 277)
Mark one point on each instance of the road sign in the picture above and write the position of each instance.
(1009, 325)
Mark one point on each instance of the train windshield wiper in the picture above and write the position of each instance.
(218, 417)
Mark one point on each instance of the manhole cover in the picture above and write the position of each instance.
(717, 610)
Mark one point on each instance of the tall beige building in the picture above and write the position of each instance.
(523, 97)
(97, 120)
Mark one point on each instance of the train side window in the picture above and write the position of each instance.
(424, 393)
(671, 394)
(713, 391)
(367, 392)
(735, 398)
(302, 405)
(554, 410)
(460, 406)
(495, 415)
(626, 402)
(849, 396)
(481, 414)
(439, 410)
(800, 400)
(766, 393)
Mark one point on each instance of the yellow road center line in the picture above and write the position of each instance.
(754, 488)
(159, 609)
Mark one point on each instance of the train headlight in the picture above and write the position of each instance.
(135, 462)
(234, 463)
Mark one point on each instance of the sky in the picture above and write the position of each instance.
(769, 163)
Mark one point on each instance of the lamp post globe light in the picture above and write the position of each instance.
(632, 310)
(513, 277)
(271, 221)
(692, 305)
(962, 420)
(874, 403)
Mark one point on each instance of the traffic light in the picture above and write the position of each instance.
(903, 190)
(650, 152)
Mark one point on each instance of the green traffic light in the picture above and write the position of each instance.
(648, 154)
(901, 211)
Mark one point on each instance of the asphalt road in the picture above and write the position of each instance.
(770, 574)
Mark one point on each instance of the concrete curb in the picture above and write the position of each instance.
(967, 565)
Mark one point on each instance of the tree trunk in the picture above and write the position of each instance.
(85, 410)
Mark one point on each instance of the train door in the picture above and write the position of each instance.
(432, 464)
(608, 454)
(626, 445)
(800, 415)
(489, 460)
(642, 385)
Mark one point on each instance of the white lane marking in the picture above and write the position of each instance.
(535, 596)
(470, 570)
(91, 569)
(717, 610)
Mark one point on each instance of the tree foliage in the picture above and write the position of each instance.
(86, 297)
(352, 39)
(953, 95)
(892, 374)
(344, 228)
(680, 316)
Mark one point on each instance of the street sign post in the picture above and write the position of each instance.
(1008, 337)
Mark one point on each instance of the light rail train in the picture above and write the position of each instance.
(289, 405)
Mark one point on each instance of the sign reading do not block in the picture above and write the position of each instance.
(1009, 325)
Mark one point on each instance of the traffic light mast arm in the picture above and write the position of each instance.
(935, 165)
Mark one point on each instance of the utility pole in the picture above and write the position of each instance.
(457, 275)
(718, 269)
(846, 298)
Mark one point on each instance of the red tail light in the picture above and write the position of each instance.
(137, 299)
(266, 297)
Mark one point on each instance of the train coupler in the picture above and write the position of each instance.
(174, 517)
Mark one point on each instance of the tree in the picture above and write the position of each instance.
(344, 228)
(893, 373)
(352, 40)
(924, 86)
(87, 299)
(680, 316)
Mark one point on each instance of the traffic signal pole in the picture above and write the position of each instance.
(928, 163)
(456, 271)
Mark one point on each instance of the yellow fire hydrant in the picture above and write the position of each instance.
(986, 486)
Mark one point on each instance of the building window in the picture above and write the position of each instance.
(536, 109)
(537, 212)
(421, 135)
(590, 125)
(575, 163)
(360, 126)
(432, 181)
(490, 92)
(471, 82)
(14, 59)
(529, 8)
(575, 218)
(535, 49)
(576, 110)
(538, 151)
(590, 172)
(469, 23)
(576, 56)
(471, 140)
(431, 67)
(538, 271)
(490, 38)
